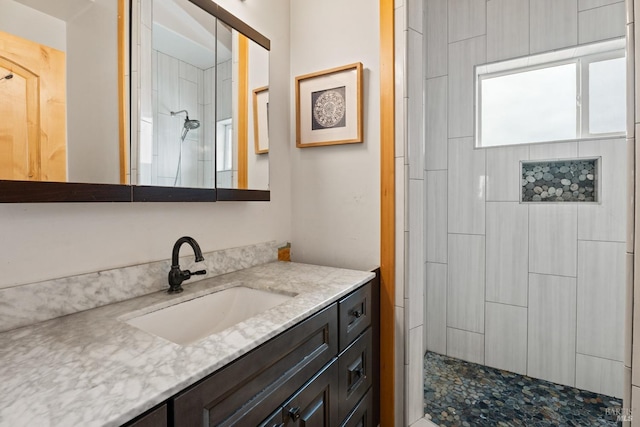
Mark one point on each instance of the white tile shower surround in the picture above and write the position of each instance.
(507, 29)
(506, 323)
(553, 24)
(507, 253)
(541, 250)
(601, 283)
(552, 328)
(466, 180)
(463, 56)
(466, 286)
(35, 302)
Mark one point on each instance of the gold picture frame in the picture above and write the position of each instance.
(329, 107)
(261, 119)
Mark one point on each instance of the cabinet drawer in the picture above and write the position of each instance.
(355, 314)
(247, 391)
(356, 373)
(314, 404)
(154, 418)
(362, 415)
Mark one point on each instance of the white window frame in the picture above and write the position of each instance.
(224, 134)
(582, 56)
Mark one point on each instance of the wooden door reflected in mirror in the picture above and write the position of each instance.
(62, 91)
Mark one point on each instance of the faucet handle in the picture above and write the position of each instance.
(186, 274)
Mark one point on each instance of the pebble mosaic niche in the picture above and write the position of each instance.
(573, 180)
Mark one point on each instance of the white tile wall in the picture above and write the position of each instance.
(590, 4)
(601, 23)
(467, 18)
(628, 314)
(599, 375)
(400, 231)
(416, 253)
(436, 225)
(553, 24)
(551, 353)
(415, 125)
(466, 187)
(416, 15)
(626, 392)
(465, 290)
(436, 38)
(553, 234)
(465, 345)
(436, 123)
(557, 150)
(399, 368)
(507, 253)
(601, 293)
(507, 29)
(503, 173)
(607, 220)
(168, 76)
(436, 308)
(635, 404)
(415, 379)
(463, 56)
(506, 337)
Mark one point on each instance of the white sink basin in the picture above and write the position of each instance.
(192, 320)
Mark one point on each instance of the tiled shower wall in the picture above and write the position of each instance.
(533, 289)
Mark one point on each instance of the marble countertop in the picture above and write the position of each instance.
(93, 369)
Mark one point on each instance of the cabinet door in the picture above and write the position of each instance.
(362, 415)
(355, 314)
(154, 418)
(356, 373)
(315, 405)
(245, 392)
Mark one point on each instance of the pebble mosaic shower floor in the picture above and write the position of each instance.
(459, 393)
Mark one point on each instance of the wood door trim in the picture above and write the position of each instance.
(122, 107)
(387, 214)
(243, 111)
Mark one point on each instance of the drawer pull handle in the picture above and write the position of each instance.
(356, 313)
(294, 413)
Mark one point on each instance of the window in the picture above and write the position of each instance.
(224, 146)
(564, 95)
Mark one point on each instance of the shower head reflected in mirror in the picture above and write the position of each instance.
(188, 123)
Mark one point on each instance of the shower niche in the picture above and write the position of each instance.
(560, 181)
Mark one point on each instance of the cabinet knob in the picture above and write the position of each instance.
(356, 313)
(294, 413)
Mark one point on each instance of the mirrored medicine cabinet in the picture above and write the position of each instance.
(148, 100)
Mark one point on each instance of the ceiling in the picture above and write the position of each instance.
(61, 9)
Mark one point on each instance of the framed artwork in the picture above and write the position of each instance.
(261, 119)
(329, 107)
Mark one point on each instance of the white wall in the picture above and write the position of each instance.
(43, 241)
(257, 164)
(533, 289)
(33, 25)
(92, 121)
(336, 189)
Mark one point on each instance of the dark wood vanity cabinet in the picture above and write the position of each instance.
(321, 372)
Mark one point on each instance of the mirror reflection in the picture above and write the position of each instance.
(62, 66)
(242, 112)
(177, 92)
